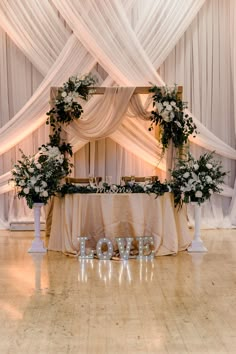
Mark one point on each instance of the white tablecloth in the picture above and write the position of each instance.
(118, 215)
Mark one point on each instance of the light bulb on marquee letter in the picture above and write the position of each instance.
(104, 255)
(144, 244)
(124, 251)
(83, 254)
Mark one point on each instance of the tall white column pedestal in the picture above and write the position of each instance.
(37, 244)
(197, 243)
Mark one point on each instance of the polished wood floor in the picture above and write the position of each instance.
(176, 304)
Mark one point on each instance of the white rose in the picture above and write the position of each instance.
(33, 181)
(165, 103)
(114, 188)
(26, 190)
(166, 117)
(22, 183)
(68, 99)
(188, 188)
(198, 194)
(42, 149)
(208, 179)
(186, 175)
(54, 151)
(191, 181)
(209, 166)
(44, 184)
(36, 189)
(44, 194)
(64, 94)
(173, 103)
(195, 177)
(195, 166)
(38, 165)
(169, 107)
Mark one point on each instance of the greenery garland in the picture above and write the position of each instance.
(156, 187)
(175, 124)
(67, 108)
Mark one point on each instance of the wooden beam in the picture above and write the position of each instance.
(144, 90)
(98, 90)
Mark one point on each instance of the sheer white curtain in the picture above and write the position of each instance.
(36, 29)
(31, 114)
(202, 62)
(130, 39)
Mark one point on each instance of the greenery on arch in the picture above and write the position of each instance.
(169, 113)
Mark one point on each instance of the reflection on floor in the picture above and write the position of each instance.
(175, 304)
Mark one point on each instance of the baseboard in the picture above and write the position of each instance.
(25, 226)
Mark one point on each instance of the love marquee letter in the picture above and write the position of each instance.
(124, 251)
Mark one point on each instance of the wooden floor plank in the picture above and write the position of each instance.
(175, 304)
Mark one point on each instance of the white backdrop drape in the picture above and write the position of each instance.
(130, 40)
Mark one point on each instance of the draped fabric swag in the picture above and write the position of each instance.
(128, 44)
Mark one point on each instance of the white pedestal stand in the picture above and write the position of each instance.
(37, 244)
(197, 243)
(37, 259)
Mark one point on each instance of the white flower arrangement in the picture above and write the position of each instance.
(169, 113)
(37, 177)
(66, 106)
(196, 180)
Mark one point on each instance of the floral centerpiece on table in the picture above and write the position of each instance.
(175, 124)
(196, 180)
(37, 177)
(155, 187)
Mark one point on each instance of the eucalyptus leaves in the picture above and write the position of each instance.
(174, 123)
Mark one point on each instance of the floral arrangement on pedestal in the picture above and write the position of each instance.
(196, 180)
(38, 177)
(175, 124)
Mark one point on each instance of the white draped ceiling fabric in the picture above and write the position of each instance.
(126, 43)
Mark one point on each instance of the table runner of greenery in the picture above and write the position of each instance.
(156, 187)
